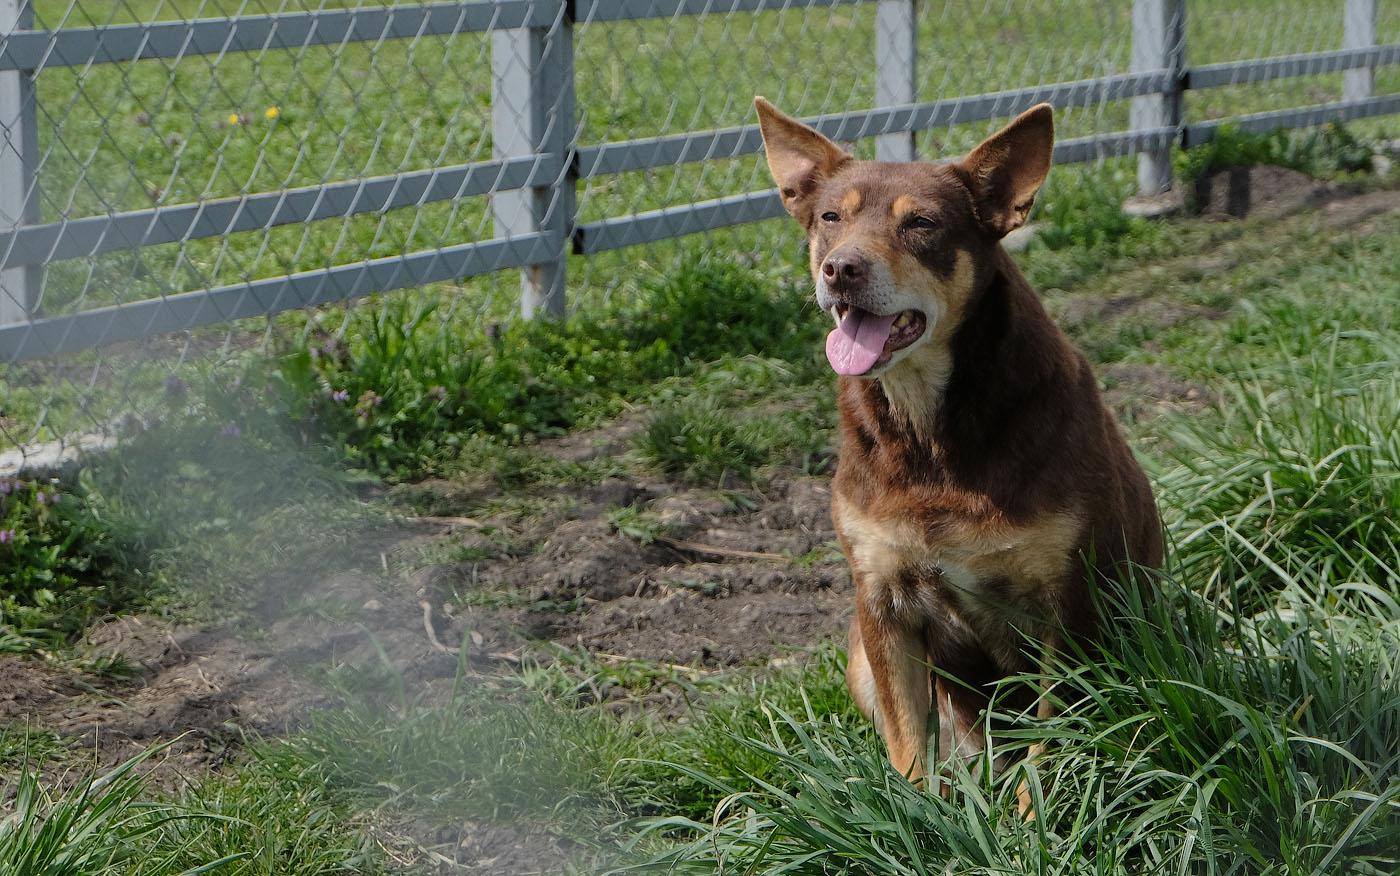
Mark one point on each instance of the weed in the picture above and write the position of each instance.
(641, 526)
(66, 559)
(701, 444)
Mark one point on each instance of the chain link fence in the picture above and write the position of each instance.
(181, 180)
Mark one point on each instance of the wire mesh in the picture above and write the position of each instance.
(198, 179)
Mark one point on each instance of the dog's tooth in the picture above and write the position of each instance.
(903, 320)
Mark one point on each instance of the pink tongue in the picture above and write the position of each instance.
(855, 344)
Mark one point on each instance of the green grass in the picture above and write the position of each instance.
(258, 820)
(405, 390)
(1289, 494)
(1179, 750)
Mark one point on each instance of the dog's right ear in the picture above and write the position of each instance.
(798, 157)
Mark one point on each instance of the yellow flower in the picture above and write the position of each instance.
(272, 113)
(233, 118)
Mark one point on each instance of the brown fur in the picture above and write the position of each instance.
(982, 483)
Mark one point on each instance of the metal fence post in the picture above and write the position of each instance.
(1159, 43)
(896, 69)
(532, 113)
(1359, 32)
(19, 151)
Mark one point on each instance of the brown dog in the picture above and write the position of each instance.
(982, 483)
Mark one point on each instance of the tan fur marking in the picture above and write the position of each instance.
(914, 385)
(1032, 557)
(850, 203)
(903, 206)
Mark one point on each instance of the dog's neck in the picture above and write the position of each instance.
(970, 385)
(914, 389)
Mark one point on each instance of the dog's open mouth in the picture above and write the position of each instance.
(863, 341)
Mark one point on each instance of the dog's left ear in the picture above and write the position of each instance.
(798, 157)
(1007, 169)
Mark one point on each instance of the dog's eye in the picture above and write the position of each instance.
(830, 216)
(922, 222)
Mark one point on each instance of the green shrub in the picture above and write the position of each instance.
(1326, 151)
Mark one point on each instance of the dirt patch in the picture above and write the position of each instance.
(724, 583)
(207, 687)
(1260, 190)
(1133, 391)
(730, 582)
(478, 848)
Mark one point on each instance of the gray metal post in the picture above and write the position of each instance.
(1359, 32)
(896, 68)
(532, 112)
(1159, 43)
(19, 150)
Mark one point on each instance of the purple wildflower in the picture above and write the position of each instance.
(41, 498)
(8, 486)
(7, 536)
(340, 395)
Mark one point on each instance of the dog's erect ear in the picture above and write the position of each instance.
(1008, 167)
(798, 157)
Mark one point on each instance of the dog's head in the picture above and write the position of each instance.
(898, 249)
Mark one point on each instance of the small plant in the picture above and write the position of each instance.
(702, 444)
(268, 818)
(641, 526)
(64, 561)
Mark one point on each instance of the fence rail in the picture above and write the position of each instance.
(538, 162)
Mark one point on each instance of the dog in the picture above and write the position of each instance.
(982, 488)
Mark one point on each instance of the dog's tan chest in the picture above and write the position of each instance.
(911, 569)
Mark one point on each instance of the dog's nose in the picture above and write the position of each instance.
(845, 272)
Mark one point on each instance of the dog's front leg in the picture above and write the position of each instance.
(898, 666)
(1044, 711)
